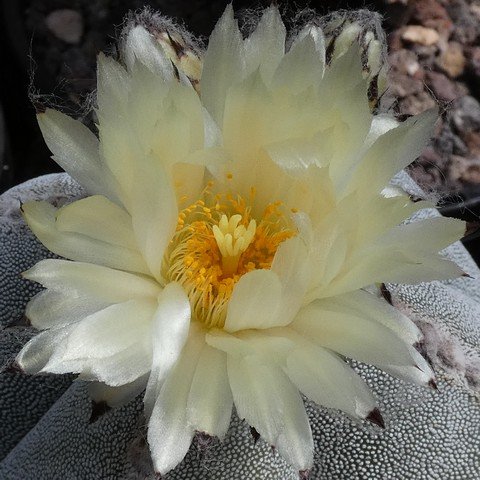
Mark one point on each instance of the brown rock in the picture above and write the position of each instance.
(415, 104)
(443, 88)
(465, 114)
(474, 61)
(404, 85)
(430, 156)
(432, 14)
(472, 140)
(66, 24)
(467, 26)
(394, 40)
(475, 9)
(466, 170)
(452, 60)
(405, 62)
(422, 35)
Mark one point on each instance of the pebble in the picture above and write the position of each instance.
(452, 60)
(415, 104)
(466, 114)
(404, 85)
(474, 62)
(465, 169)
(444, 89)
(431, 14)
(66, 25)
(422, 35)
(472, 140)
(405, 62)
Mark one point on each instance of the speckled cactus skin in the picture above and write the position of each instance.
(431, 434)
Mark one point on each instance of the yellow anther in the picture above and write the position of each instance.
(216, 242)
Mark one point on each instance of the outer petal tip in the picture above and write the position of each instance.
(255, 435)
(433, 384)
(376, 418)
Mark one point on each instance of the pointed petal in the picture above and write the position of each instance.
(97, 218)
(171, 324)
(41, 218)
(141, 46)
(265, 47)
(36, 353)
(365, 304)
(338, 328)
(95, 281)
(169, 434)
(322, 377)
(113, 87)
(109, 331)
(403, 255)
(75, 148)
(303, 64)
(254, 301)
(392, 152)
(52, 309)
(269, 402)
(209, 405)
(223, 64)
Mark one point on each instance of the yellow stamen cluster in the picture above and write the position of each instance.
(217, 242)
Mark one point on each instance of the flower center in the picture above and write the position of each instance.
(216, 242)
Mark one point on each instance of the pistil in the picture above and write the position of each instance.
(233, 239)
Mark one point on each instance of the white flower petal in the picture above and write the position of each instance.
(269, 402)
(119, 369)
(328, 251)
(75, 148)
(265, 47)
(209, 405)
(292, 265)
(405, 254)
(141, 46)
(154, 213)
(169, 434)
(125, 366)
(254, 302)
(381, 124)
(355, 336)
(110, 330)
(166, 118)
(223, 64)
(421, 373)
(97, 218)
(170, 329)
(95, 281)
(41, 218)
(303, 64)
(112, 88)
(297, 154)
(401, 145)
(322, 377)
(52, 309)
(36, 353)
(116, 396)
(365, 304)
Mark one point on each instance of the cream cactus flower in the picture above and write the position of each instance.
(229, 249)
